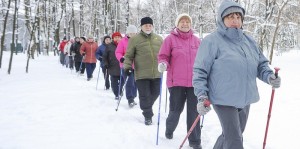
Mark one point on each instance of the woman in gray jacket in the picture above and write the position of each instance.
(225, 71)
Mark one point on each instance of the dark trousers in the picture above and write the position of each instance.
(130, 86)
(148, 93)
(106, 77)
(71, 62)
(178, 96)
(77, 67)
(115, 82)
(62, 58)
(233, 121)
(90, 67)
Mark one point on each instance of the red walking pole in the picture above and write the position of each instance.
(206, 104)
(270, 109)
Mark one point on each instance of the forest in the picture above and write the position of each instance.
(35, 27)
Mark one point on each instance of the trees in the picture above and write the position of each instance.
(274, 27)
(4, 31)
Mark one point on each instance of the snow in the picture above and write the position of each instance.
(52, 107)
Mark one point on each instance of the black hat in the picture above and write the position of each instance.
(105, 38)
(65, 38)
(83, 38)
(146, 20)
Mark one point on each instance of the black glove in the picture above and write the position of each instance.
(128, 71)
(83, 54)
(106, 66)
(122, 59)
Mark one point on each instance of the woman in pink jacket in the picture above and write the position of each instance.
(130, 86)
(177, 55)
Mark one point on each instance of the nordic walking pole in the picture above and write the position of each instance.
(119, 91)
(166, 100)
(270, 109)
(161, 80)
(206, 104)
(98, 77)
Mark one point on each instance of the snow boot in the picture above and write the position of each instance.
(196, 146)
(131, 103)
(169, 135)
(148, 121)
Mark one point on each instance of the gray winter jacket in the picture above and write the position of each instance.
(227, 64)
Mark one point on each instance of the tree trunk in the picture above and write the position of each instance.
(13, 39)
(276, 30)
(73, 20)
(3, 32)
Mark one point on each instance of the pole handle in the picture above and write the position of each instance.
(276, 71)
(206, 103)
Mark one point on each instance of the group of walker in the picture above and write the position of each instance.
(220, 70)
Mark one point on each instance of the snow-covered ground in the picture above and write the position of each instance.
(53, 108)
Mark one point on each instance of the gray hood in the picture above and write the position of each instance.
(224, 5)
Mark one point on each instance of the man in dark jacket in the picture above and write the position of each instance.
(99, 55)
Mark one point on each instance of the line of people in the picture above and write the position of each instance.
(221, 69)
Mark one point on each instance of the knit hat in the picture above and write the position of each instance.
(146, 20)
(131, 29)
(105, 38)
(232, 9)
(179, 17)
(90, 36)
(116, 34)
(83, 38)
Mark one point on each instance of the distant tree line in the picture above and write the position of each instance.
(39, 25)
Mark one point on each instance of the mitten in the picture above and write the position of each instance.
(274, 82)
(122, 59)
(203, 106)
(162, 67)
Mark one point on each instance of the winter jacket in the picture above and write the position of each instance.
(62, 46)
(110, 60)
(227, 64)
(121, 50)
(89, 48)
(99, 53)
(142, 50)
(75, 48)
(67, 48)
(178, 51)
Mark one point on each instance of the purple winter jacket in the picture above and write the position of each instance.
(178, 51)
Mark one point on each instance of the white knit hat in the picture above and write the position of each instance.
(131, 29)
(180, 16)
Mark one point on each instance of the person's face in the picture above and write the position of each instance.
(233, 20)
(77, 39)
(81, 40)
(117, 39)
(184, 24)
(91, 40)
(107, 41)
(147, 28)
(131, 34)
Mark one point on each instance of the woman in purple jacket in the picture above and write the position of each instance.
(177, 55)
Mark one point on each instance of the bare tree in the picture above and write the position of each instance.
(13, 39)
(3, 31)
(281, 7)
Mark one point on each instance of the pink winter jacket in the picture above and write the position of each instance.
(121, 50)
(178, 51)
